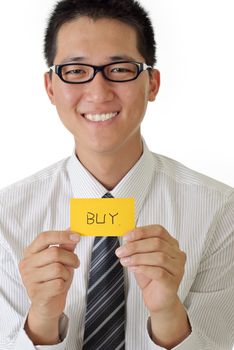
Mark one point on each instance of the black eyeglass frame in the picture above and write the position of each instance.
(57, 69)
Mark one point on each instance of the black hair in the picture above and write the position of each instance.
(128, 11)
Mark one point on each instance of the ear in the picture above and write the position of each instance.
(49, 87)
(154, 84)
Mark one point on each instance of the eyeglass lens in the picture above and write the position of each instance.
(117, 72)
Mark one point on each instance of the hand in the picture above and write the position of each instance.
(47, 273)
(158, 263)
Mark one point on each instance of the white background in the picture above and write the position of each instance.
(191, 120)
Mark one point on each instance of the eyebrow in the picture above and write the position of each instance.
(122, 57)
(111, 58)
(73, 59)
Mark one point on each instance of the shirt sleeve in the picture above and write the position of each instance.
(210, 302)
(23, 341)
(14, 305)
(192, 342)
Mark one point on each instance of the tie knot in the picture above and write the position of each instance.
(108, 195)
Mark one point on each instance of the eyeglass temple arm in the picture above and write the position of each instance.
(52, 68)
(145, 66)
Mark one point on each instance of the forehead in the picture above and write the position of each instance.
(88, 38)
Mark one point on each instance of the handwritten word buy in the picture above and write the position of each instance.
(95, 218)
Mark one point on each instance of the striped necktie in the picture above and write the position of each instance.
(105, 312)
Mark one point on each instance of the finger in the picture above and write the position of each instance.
(153, 273)
(69, 247)
(148, 232)
(148, 245)
(153, 260)
(48, 273)
(45, 239)
(47, 290)
(64, 245)
(52, 255)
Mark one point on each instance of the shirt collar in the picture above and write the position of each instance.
(135, 183)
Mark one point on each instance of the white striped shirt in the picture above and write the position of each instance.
(196, 210)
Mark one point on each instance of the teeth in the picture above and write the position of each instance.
(100, 117)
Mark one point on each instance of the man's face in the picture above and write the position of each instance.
(101, 42)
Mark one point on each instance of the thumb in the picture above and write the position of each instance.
(74, 236)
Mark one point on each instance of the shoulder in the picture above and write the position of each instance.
(32, 196)
(26, 207)
(35, 182)
(180, 176)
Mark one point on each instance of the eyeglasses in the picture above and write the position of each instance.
(119, 72)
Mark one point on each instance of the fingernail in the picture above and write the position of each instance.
(74, 237)
(119, 252)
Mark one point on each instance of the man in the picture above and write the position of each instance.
(178, 262)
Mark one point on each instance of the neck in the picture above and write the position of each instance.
(110, 168)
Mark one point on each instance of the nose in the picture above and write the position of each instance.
(99, 89)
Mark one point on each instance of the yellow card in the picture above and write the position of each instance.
(102, 216)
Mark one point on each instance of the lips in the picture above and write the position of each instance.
(100, 117)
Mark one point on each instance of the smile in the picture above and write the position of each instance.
(100, 117)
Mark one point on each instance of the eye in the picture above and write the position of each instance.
(75, 72)
(120, 70)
